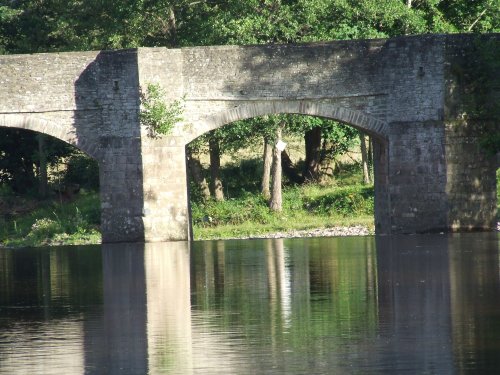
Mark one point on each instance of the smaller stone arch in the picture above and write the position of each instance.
(368, 124)
(48, 127)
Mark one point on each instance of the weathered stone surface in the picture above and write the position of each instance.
(430, 173)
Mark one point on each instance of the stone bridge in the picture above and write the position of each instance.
(408, 93)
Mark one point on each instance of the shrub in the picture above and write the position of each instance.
(231, 211)
(343, 201)
(82, 170)
(43, 229)
(157, 116)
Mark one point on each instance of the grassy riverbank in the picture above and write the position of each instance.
(308, 207)
(343, 203)
(27, 222)
(305, 207)
(245, 212)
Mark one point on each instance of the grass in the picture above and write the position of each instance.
(53, 222)
(304, 207)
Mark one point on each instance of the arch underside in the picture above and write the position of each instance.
(34, 123)
(366, 123)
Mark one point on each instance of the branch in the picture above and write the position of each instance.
(477, 19)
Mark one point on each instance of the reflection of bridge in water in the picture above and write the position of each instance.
(254, 306)
(411, 94)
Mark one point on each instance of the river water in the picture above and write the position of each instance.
(426, 304)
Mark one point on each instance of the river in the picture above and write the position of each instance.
(422, 304)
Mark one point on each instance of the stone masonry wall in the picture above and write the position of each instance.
(471, 173)
(90, 100)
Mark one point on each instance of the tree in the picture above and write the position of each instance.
(215, 179)
(196, 171)
(312, 141)
(364, 159)
(275, 202)
(42, 167)
(266, 169)
(24, 156)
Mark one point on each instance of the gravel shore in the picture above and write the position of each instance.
(319, 232)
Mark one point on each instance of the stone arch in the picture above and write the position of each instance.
(368, 124)
(376, 128)
(48, 127)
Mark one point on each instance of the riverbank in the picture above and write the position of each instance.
(357, 230)
(308, 211)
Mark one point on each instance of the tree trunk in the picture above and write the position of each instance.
(266, 173)
(289, 169)
(196, 170)
(42, 167)
(275, 203)
(313, 154)
(172, 26)
(215, 180)
(370, 151)
(364, 159)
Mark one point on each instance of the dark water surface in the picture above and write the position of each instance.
(425, 304)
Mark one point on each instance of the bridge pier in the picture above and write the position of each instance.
(165, 211)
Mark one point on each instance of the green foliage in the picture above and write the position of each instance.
(478, 16)
(82, 170)
(19, 158)
(242, 177)
(490, 141)
(156, 115)
(54, 223)
(231, 211)
(488, 93)
(343, 201)
(43, 229)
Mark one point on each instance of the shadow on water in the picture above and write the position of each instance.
(416, 304)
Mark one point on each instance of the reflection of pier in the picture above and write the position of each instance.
(414, 304)
(475, 294)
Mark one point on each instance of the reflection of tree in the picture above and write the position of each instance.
(55, 288)
(6, 275)
(347, 271)
(51, 279)
(287, 296)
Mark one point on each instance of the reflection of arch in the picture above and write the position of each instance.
(370, 125)
(44, 126)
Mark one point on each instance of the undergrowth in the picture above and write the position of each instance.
(345, 202)
(54, 222)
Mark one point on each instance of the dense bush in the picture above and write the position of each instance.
(52, 222)
(82, 170)
(231, 211)
(238, 179)
(343, 201)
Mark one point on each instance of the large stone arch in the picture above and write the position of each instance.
(376, 128)
(64, 133)
(361, 121)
